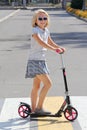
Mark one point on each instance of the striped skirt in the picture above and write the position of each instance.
(36, 67)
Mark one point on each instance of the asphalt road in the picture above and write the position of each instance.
(15, 34)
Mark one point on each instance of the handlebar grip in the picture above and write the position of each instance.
(59, 51)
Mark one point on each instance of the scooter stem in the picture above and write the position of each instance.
(62, 62)
(64, 75)
(65, 81)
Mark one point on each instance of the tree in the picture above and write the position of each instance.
(77, 4)
(84, 4)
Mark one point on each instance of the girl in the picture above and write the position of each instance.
(37, 67)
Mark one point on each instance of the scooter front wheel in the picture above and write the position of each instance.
(70, 113)
(24, 111)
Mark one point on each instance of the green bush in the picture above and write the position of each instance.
(77, 4)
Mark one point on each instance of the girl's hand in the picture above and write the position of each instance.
(63, 49)
(60, 50)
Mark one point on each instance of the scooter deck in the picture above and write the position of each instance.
(44, 115)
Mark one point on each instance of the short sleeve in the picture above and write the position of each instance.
(47, 31)
(34, 31)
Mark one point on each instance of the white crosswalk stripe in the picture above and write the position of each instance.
(80, 102)
(10, 120)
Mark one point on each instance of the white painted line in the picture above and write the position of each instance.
(10, 15)
(80, 103)
(9, 118)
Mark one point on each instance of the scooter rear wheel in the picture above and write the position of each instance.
(70, 113)
(24, 111)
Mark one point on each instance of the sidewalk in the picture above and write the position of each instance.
(6, 7)
(30, 5)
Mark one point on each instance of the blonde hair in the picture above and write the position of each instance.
(34, 24)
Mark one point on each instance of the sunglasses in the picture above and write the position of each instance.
(44, 18)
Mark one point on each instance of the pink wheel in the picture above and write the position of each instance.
(24, 111)
(70, 113)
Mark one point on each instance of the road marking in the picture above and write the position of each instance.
(10, 15)
(53, 104)
(80, 102)
(9, 118)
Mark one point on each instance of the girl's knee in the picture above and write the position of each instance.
(49, 84)
(46, 80)
(36, 84)
(36, 88)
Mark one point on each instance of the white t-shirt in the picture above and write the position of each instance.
(37, 52)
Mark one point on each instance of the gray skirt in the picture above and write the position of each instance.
(36, 67)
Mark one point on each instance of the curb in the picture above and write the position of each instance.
(84, 19)
(12, 8)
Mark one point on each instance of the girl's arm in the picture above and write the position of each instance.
(48, 46)
(52, 43)
(42, 43)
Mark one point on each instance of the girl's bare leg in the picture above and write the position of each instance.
(34, 93)
(47, 84)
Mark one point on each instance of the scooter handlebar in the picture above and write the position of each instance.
(60, 50)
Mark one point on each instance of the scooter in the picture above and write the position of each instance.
(66, 108)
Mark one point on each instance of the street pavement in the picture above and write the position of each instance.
(15, 35)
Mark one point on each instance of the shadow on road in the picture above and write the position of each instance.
(77, 39)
